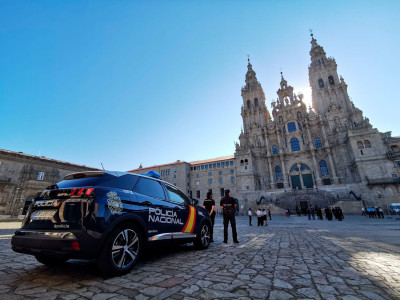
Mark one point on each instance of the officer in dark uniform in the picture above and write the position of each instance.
(228, 206)
(209, 205)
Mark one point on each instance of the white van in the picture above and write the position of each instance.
(394, 208)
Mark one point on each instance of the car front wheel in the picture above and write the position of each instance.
(203, 237)
(121, 250)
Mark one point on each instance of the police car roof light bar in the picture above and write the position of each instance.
(153, 174)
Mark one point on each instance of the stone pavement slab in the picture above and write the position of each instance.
(291, 258)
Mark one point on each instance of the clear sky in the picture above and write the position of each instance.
(129, 82)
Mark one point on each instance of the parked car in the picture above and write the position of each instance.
(394, 208)
(109, 216)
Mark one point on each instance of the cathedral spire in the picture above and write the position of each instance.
(254, 112)
(251, 79)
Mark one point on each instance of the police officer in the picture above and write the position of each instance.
(228, 206)
(209, 205)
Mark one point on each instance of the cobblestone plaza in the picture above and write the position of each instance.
(292, 258)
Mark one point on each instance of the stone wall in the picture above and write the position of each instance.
(23, 175)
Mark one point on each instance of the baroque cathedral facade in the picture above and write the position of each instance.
(319, 155)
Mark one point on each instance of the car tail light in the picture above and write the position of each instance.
(75, 245)
(89, 191)
(82, 192)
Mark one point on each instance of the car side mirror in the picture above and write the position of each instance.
(195, 201)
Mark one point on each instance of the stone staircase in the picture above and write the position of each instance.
(293, 198)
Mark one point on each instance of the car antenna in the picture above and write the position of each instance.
(102, 166)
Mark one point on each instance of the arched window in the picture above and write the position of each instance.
(298, 115)
(284, 130)
(255, 102)
(274, 149)
(278, 173)
(291, 127)
(294, 144)
(246, 161)
(304, 167)
(321, 83)
(367, 144)
(318, 143)
(360, 145)
(395, 148)
(294, 168)
(248, 104)
(324, 168)
(241, 162)
(280, 119)
(331, 81)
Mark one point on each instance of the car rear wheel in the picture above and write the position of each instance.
(121, 250)
(203, 237)
(50, 261)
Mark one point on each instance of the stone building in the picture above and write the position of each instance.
(176, 173)
(327, 154)
(198, 177)
(23, 175)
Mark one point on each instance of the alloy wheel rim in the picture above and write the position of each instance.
(125, 248)
(205, 235)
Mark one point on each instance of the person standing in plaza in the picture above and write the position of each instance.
(269, 214)
(209, 205)
(228, 206)
(259, 217)
(264, 213)
(250, 216)
(363, 212)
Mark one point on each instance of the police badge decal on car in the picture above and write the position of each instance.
(114, 203)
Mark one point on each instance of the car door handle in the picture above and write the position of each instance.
(147, 203)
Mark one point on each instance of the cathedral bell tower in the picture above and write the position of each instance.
(252, 138)
(254, 111)
(329, 91)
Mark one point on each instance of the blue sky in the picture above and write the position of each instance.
(129, 82)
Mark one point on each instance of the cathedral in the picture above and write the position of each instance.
(293, 156)
(327, 154)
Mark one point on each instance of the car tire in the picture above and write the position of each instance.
(121, 250)
(50, 261)
(203, 237)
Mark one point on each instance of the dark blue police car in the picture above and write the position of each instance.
(110, 216)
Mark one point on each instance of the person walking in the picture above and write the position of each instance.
(250, 216)
(209, 205)
(264, 213)
(259, 217)
(269, 214)
(228, 206)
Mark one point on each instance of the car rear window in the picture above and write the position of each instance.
(124, 182)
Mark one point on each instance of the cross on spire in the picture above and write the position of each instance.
(310, 30)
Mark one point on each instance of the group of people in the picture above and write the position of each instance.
(311, 211)
(373, 212)
(261, 216)
(228, 206)
(336, 212)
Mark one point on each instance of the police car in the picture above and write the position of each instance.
(109, 216)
